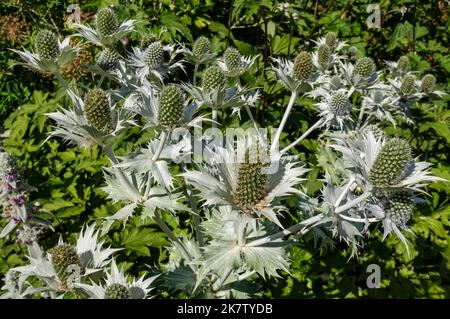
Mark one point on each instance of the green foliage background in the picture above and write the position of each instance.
(69, 179)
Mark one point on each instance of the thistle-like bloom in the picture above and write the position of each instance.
(400, 67)
(233, 63)
(427, 86)
(362, 74)
(89, 122)
(384, 164)
(297, 75)
(165, 109)
(118, 286)
(107, 32)
(64, 264)
(249, 179)
(200, 52)
(334, 108)
(108, 59)
(150, 63)
(51, 54)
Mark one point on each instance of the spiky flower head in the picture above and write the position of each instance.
(106, 22)
(232, 58)
(408, 84)
(154, 55)
(117, 291)
(303, 66)
(330, 39)
(323, 55)
(201, 47)
(98, 111)
(171, 105)
(63, 256)
(365, 67)
(391, 162)
(108, 59)
(251, 182)
(47, 46)
(399, 208)
(148, 39)
(213, 78)
(339, 104)
(427, 83)
(403, 63)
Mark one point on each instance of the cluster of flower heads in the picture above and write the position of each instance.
(17, 211)
(241, 184)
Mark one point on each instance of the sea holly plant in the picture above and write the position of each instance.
(235, 189)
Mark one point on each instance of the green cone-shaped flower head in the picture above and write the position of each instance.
(427, 83)
(365, 67)
(171, 105)
(399, 208)
(108, 59)
(106, 22)
(116, 291)
(390, 163)
(403, 63)
(339, 104)
(201, 47)
(98, 111)
(148, 39)
(251, 182)
(62, 257)
(47, 46)
(154, 55)
(408, 84)
(303, 66)
(213, 78)
(330, 39)
(232, 58)
(323, 55)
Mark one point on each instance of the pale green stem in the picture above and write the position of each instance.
(62, 81)
(291, 103)
(358, 220)
(178, 244)
(162, 141)
(193, 204)
(352, 203)
(286, 232)
(301, 138)
(214, 118)
(194, 77)
(101, 80)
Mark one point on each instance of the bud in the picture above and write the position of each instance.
(399, 208)
(154, 55)
(339, 104)
(403, 63)
(106, 22)
(390, 163)
(201, 47)
(148, 39)
(213, 78)
(303, 66)
(323, 55)
(171, 105)
(108, 59)
(251, 182)
(365, 67)
(116, 291)
(63, 256)
(232, 59)
(47, 46)
(427, 83)
(408, 84)
(330, 39)
(98, 111)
